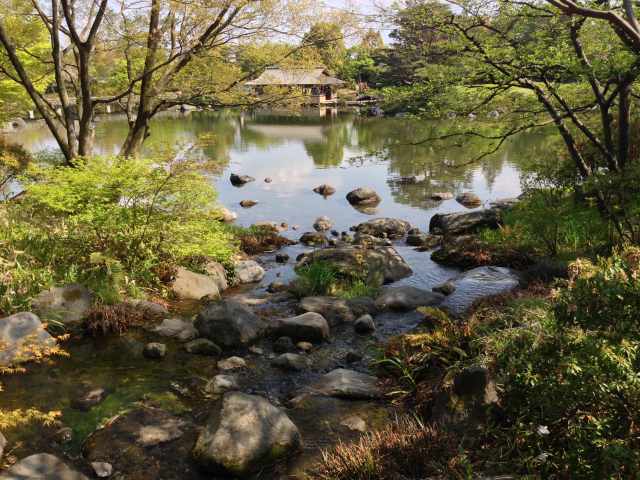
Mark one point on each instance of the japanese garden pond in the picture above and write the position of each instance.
(296, 153)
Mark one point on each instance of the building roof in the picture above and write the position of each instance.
(295, 76)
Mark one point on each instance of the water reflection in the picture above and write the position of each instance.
(302, 151)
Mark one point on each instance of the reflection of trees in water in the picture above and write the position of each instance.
(330, 151)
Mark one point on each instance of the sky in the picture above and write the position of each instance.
(367, 7)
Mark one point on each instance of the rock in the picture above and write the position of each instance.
(239, 180)
(369, 241)
(41, 466)
(469, 200)
(176, 328)
(277, 286)
(273, 226)
(364, 324)
(248, 434)
(310, 327)
(446, 288)
(305, 346)
(417, 239)
(322, 224)
(343, 383)
(268, 180)
(325, 190)
(334, 310)
(68, 304)
(384, 227)
(248, 203)
(232, 363)
(429, 242)
(155, 350)
(314, 239)
(227, 216)
(476, 383)
(218, 273)
(283, 345)
(22, 336)
(151, 311)
(291, 361)
(3, 444)
(354, 423)
(478, 283)
(362, 306)
(102, 469)
(282, 258)
(256, 350)
(466, 222)
(202, 346)
(229, 323)
(439, 196)
(352, 357)
(407, 298)
(248, 271)
(189, 285)
(63, 435)
(363, 197)
(380, 265)
(89, 398)
(221, 384)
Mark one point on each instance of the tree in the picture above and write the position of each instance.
(154, 47)
(325, 42)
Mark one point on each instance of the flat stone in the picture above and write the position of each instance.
(22, 337)
(188, 285)
(407, 298)
(343, 383)
(155, 350)
(68, 304)
(232, 363)
(310, 326)
(248, 434)
(202, 346)
(182, 330)
(41, 466)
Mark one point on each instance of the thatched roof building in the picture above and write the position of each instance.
(315, 82)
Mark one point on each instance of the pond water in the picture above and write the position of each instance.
(297, 153)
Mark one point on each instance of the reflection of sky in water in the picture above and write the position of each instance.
(300, 153)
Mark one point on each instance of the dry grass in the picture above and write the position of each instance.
(404, 449)
(258, 240)
(112, 319)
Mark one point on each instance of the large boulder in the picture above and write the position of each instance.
(188, 285)
(248, 271)
(41, 466)
(407, 298)
(466, 222)
(478, 283)
(67, 304)
(22, 338)
(378, 265)
(343, 383)
(363, 197)
(229, 324)
(308, 327)
(246, 435)
(384, 227)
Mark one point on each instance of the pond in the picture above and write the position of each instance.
(297, 153)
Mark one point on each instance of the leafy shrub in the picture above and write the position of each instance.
(324, 278)
(108, 221)
(13, 160)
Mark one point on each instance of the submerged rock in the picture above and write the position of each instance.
(379, 265)
(68, 304)
(310, 326)
(465, 222)
(363, 197)
(23, 337)
(325, 190)
(182, 330)
(229, 324)
(469, 200)
(480, 282)
(343, 383)
(202, 346)
(239, 180)
(248, 271)
(248, 434)
(41, 466)
(407, 298)
(188, 285)
(384, 227)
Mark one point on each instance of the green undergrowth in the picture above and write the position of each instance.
(320, 278)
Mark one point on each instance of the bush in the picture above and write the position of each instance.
(111, 223)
